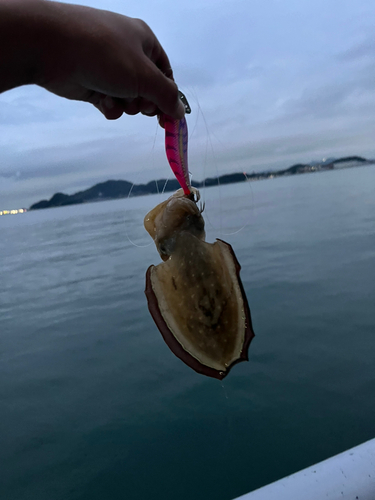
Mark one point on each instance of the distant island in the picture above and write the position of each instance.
(112, 189)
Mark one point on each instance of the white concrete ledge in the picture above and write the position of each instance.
(347, 476)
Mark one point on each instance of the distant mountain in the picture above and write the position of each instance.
(113, 189)
(324, 160)
(108, 190)
(350, 161)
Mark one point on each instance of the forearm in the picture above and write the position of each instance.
(18, 42)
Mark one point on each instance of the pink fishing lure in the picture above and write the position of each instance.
(176, 141)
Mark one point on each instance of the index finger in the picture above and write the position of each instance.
(159, 57)
(163, 91)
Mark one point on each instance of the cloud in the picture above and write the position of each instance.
(270, 84)
(359, 52)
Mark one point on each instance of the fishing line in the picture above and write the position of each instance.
(134, 226)
(223, 228)
(220, 186)
(208, 142)
(225, 392)
(213, 210)
(228, 415)
(165, 185)
(251, 207)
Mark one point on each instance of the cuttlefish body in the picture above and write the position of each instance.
(195, 296)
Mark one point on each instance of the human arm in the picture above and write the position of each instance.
(112, 61)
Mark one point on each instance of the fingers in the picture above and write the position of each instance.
(161, 120)
(113, 108)
(107, 105)
(155, 52)
(148, 108)
(161, 61)
(157, 88)
(110, 108)
(156, 103)
(139, 105)
(145, 86)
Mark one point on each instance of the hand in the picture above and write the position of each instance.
(112, 61)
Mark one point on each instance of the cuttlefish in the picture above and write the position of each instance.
(195, 295)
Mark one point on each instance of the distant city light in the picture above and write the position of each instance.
(13, 212)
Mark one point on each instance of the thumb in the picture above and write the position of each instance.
(162, 91)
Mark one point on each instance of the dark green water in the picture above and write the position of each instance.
(93, 405)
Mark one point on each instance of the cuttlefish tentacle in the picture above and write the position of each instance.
(196, 296)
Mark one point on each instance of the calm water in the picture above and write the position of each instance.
(93, 405)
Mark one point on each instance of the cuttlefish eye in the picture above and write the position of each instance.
(177, 214)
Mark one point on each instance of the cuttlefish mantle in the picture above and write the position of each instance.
(195, 296)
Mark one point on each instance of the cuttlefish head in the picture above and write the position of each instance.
(170, 218)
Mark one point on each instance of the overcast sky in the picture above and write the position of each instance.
(270, 83)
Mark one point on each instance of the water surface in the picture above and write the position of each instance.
(93, 404)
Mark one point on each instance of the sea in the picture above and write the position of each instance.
(93, 404)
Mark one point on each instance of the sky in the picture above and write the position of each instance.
(270, 83)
